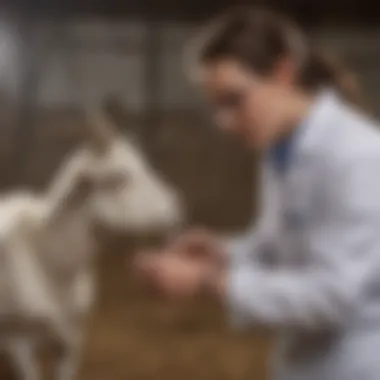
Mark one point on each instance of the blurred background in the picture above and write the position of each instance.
(55, 57)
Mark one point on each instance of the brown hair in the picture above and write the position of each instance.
(258, 38)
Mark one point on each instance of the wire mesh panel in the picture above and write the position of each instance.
(73, 62)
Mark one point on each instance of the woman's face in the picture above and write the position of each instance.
(246, 104)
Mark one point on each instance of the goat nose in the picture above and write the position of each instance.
(174, 228)
(179, 211)
(174, 218)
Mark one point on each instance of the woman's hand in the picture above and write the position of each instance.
(178, 276)
(201, 244)
(191, 263)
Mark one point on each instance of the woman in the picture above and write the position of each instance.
(310, 269)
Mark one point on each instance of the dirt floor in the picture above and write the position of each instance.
(136, 337)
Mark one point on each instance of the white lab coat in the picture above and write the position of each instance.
(311, 267)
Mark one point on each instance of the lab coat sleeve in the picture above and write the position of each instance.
(246, 246)
(342, 251)
(253, 244)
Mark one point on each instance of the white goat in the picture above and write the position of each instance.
(48, 243)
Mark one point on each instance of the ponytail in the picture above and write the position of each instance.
(321, 69)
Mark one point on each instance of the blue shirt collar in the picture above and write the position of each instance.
(280, 154)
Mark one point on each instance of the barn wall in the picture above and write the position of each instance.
(94, 69)
(360, 51)
(107, 57)
(95, 56)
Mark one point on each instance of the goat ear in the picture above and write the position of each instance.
(113, 107)
(83, 187)
(101, 131)
(120, 116)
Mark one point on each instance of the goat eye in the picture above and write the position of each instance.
(115, 180)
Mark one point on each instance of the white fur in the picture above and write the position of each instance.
(48, 243)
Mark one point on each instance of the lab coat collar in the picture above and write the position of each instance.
(327, 103)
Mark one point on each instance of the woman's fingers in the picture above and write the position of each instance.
(190, 237)
(142, 259)
(172, 275)
(197, 242)
(176, 269)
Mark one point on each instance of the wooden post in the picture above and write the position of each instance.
(26, 96)
(152, 78)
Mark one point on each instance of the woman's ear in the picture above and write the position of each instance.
(284, 71)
